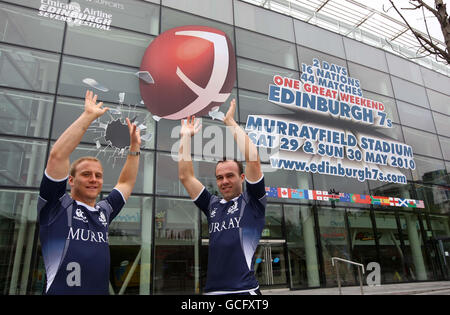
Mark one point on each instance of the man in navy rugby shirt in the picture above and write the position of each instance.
(236, 221)
(74, 228)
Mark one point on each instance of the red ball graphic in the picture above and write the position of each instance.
(192, 69)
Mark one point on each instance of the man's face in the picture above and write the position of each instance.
(87, 183)
(228, 179)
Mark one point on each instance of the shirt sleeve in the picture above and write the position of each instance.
(116, 201)
(202, 201)
(50, 193)
(257, 193)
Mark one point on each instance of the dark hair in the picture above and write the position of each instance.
(239, 164)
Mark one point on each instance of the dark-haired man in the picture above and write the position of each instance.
(236, 221)
(74, 228)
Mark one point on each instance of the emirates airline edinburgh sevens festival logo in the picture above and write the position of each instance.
(188, 70)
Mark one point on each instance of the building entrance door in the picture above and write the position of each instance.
(270, 263)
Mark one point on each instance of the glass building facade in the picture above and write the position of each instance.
(159, 242)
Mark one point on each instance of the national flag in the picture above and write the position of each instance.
(345, 197)
(321, 195)
(299, 193)
(284, 193)
(411, 203)
(392, 201)
(420, 204)
(357, 198)
(399, 202)
(272, 192)
(311, 194)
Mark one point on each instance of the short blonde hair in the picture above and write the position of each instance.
(73, 166)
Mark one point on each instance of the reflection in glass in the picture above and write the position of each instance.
(25, 27)
(130, 246)
(334, 239)
(362, 236)
(69, 109)
(25, 114)
(22, 162)
(393, 262)
(117, 79)
(301, 243)
(18, 225)
(28, 69)
(176, 261)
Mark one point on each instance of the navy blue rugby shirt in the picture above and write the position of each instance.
(74, 239)
(234, 231)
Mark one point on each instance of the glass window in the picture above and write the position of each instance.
(28, 69)
(301, 243)
(410, 92)
(428, 169)
(404, 68)
(251, 103)
(69, 109)
(364, 54)
(306, 56)
(388, 102)
(30, 4)
(439, 102)
(335, 243)
(130, 237)
(267, 49)
(113, 163)
(445, 145)
(130, 14)
(176, 260)
(394, 133)
(278, 178)
(22, 162)
(25, 114)
(435, 197)
(364, 249)
(18, 211)
(319, 39)
(435, 80)
(115, 45)
(173, 18)
(274, 218)
(415, 254)
(263, 21)
(442, 124)
(341, 185)
(416, 117)
(257, 76)
(422, 142)
(392, 259)
(213, 140)
(107, 80)
(216, 10)
(371, 80)
(27, 28)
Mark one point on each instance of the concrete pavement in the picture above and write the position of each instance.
(415, 288)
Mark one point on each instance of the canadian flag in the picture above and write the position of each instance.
(283, 192)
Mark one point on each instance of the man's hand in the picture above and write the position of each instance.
(229, 117)
(91, 108)
(189, 127)
(135, 136)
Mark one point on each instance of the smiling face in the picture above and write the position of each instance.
(229, 179)
(86, 181)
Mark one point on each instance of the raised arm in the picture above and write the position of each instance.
(185, 167)
(246, 146)
(58, 163)
(129, 172)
